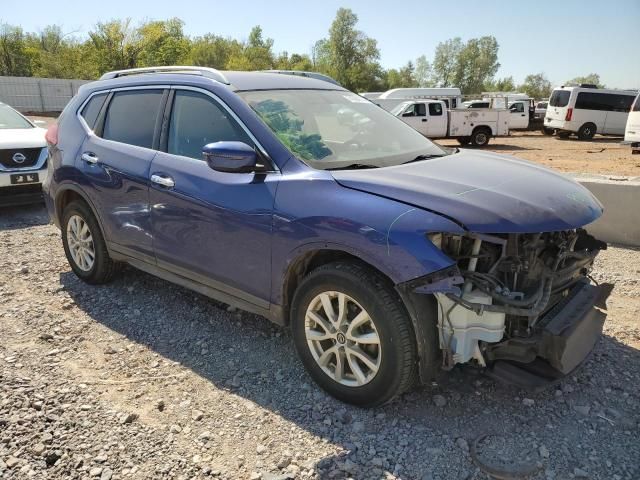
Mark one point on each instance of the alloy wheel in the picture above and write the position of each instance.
(80, 243)
(343, 339)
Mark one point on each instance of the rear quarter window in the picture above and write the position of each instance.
(560, 98)
(636, 105)
(131, 117)
(92, 109)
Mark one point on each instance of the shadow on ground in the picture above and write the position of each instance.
(414, 437)
(25, 216)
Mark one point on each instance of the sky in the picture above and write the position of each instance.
(562, 38)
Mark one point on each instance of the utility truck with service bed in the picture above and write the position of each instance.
(473, 126)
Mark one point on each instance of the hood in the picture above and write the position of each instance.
(484, 192)
(22, 138)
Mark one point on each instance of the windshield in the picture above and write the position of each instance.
(9, 118)
(560, 98)
(330, 129)
(399, 108)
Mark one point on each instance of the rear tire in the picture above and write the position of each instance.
(374, 322)
(84, 245)
(587, 131)
(480, 137)
(547, 131)
(563, 135)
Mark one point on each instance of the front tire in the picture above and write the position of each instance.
(84, 245)
(353, 334)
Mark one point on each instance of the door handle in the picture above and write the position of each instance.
(163, 180)
(89, 157)
(424, 119)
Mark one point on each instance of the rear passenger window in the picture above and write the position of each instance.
(92, 109)
(435, 109)
(131, 117)
(197, 120)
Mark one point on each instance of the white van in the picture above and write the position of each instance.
(588, 110)
(632, 132)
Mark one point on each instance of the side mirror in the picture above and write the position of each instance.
(230, 156)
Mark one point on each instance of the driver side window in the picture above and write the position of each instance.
(197, 120)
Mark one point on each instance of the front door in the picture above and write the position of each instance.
(437, 120)
(212, 227)
(115, 161)
(415, 115)
(519, 116)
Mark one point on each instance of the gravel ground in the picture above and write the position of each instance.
(143, 379)
(601, 155)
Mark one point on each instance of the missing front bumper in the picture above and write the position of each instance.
(568, 334)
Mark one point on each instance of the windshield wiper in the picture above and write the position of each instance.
(353, 166)
(424, 157)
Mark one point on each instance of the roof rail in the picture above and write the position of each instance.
(188, 70)
(302, 73)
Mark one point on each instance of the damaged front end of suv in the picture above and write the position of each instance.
(521, 304)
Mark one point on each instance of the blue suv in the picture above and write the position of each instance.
(390, 257)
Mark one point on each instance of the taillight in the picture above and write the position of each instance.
(52, 134)
(569, 114)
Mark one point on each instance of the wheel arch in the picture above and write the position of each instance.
(68, 193)
(421, 308)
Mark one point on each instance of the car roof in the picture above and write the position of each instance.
(238, 81)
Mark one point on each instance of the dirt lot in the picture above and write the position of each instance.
(143, 379)
(602, 155)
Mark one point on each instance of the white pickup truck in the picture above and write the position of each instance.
(473, 126)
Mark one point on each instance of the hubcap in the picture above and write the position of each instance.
(80, 243)
(343, 339)
(481, 138)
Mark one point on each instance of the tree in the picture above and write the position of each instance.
(445, 62)
(402, 78)
(423, 73)
(14, 58)
(506, 84)
(114, 45)
(255, 54)
(213, 51)
(536, 86)
(348, 55)
(592, 78)
(468, 66)
(162, 43)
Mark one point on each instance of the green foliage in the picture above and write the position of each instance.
(592, 78)
(348, 55)
(288, 128)
(506, 84)
(536, 86)
(469, 66)
(15, 58)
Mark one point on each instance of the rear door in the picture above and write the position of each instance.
(212, 227)
(556, 112)
(436, 120)
(115, 159)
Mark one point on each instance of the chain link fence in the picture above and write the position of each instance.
(38, 95)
